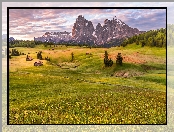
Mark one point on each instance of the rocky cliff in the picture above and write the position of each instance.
(83, 31)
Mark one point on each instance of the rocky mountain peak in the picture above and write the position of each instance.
(83, 31)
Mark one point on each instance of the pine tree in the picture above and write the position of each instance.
(119, 59)
(107, 62)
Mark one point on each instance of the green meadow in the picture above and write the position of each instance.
(84, 91)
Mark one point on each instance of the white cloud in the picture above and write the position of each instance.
(62, 22)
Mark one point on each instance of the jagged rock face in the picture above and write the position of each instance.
(99, 34)
(83, 30)
(113, 29)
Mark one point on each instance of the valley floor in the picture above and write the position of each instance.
(83, 91)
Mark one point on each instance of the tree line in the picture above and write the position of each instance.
(22, 43)
(152, 38)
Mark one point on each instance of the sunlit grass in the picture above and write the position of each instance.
(88, 94)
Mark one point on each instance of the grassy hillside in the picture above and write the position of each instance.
(83, 91)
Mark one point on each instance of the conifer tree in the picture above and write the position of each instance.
(108, 62)
(72, 56)
(119, 59)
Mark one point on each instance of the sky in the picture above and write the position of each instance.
(29, 23)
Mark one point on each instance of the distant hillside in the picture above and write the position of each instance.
(152, 38)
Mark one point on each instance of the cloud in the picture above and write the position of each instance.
(148, 20)
(35, 21)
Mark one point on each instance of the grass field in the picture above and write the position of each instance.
(86, 92)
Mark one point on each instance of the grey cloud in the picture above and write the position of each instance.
(53, 23)
(37, 26)
(154, 20)
(47, 27)
(58, 20)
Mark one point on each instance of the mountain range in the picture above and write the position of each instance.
(111, 31)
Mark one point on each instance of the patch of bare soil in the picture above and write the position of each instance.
(135, 58)
(68, 65)
(127, 74)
